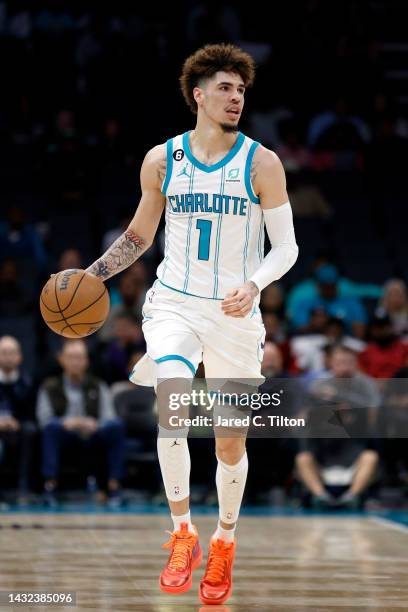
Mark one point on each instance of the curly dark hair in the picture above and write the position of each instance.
(208, 60)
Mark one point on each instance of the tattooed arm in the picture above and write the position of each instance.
(141, 231)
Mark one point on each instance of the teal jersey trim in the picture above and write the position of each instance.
(169, 165)
(202, 297)
(177, 358)
(261, 240)
(190, 223)
(248, 164)
(248, 223)
(166, 241)
(186, 146)
(217, 241)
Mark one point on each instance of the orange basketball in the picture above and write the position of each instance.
(74, 303)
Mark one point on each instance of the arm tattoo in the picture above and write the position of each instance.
(254, 171)
(123, 252)
(162, 169)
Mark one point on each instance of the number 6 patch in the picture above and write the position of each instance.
(178, 155)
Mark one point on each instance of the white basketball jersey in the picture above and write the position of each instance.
(214, 233)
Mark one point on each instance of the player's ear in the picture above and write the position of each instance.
(198, 95)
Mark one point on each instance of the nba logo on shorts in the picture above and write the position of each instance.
(229, 515)
(176, 490)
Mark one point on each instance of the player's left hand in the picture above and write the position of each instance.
(238, 302)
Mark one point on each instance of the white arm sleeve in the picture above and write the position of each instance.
(284, 250)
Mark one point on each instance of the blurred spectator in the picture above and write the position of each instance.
(111, 235)
(338, 470)
(308, 288)
(272, 363)
(274, 326)
(309, 376)
(112, 148)
(337, 129)
(394, 422)
(273, 300)
(276, 333)
(17, 414)
(265, 121)
(309, 350)
(127, 339)
(385, 354)
(20, 239)
(307, 200)
(328, 300)
(129, 299)
(212, 21)
(14, 301)
(394, 303)
(73, 408)
(65, 161)
(271, 486)
(292, 152)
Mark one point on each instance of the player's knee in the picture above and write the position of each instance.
(230, 450)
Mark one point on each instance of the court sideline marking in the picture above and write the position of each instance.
(390, 524)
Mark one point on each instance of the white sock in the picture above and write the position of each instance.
(227, 535)
(174, 459)
(182, 518)
(230, 480)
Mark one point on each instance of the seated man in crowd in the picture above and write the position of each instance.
(385, 353)
(17, 426)
(77, 407)
(337, 470)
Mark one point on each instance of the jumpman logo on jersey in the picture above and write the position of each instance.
(175, 444)
(234, 482)
(184, 171)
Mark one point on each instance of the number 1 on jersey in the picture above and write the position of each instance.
(204, 240)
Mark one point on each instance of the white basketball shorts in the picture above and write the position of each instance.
(192, 329)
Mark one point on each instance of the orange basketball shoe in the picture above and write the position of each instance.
(216, 585)
(185, 556)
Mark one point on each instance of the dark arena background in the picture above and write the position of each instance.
(86, 90)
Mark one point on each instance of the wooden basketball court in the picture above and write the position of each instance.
(112, 562)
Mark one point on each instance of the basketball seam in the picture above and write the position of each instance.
(70, 302)
(56, 297)
(64, 328)
(79, 311)
(47, 307)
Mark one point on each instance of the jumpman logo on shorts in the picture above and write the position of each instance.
(234, 481)
(184, 171)
(175, 444)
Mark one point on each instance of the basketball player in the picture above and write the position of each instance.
(219, 189)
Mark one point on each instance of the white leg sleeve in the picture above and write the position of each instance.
(172, 445)
(174, 459)
(230, 480)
